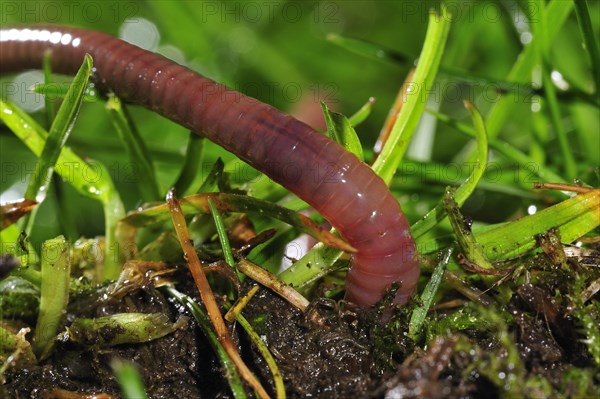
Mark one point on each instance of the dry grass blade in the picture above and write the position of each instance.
(207, 295)
(271, 281)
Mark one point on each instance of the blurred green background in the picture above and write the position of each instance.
(277, 52)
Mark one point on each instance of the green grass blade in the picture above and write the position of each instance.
(574, 217)
(49, 104)
(524, 161)
(130, 380)
(463, 192)
(543, 47)
(557, 13)
(191, 164)
(418, 316)
(391, 155)
(590, 40)
(222, 233)
(59, 133)
(340, 130)
(56, 269)
(266, 354)
(201, 317)
(137, 151)
(315, 264)
(211, 182)
(363, 113)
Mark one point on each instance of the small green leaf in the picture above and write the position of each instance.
(122, 328)
(340, 130)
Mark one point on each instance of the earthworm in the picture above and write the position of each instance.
(321, 172)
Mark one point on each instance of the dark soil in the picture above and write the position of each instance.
(533, 347)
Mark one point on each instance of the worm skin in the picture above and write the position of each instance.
(321, 172)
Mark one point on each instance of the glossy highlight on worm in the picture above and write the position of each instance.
(321, 172)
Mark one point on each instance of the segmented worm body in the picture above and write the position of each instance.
(321, 172)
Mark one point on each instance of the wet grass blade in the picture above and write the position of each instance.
(463, 192)
(137, 151)
(59, 133)
(56, 269)
(524, 161)
(222, 233)
(418, 316)
(340, 130)
(191, 164)
(225, 202)
(393, 151)
(590, 40)
(130, 380)
(315, 264)
(267, 356)
(233, 378)
(574, 217)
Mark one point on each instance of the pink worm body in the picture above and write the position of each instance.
(321, 172)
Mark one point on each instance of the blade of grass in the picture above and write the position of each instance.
(267, 356)
(391, 155)
(523, 160)
(271, 281)
(59, 133)
(463, 192)
(340, 130)
(48, 100)
(543, 48)
(56, 269)
(207, 295)
(130, 380)
(137, 151)
(191, 164)
(315, 264)
(222, 233)
(231, 373)
(575, 217)
(363, 113)
(418, 316)
(590, 40)
(557, 13)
